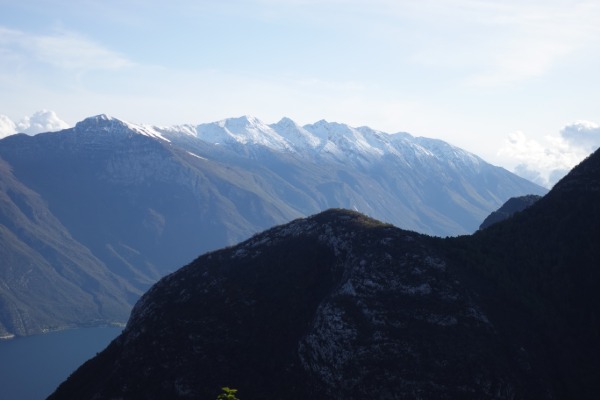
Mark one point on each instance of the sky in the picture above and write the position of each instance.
(515, 82)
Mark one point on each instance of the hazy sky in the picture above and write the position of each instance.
(515, 82)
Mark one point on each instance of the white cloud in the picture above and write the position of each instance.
(547, 163)
(71, 51)
(7, 126)
(583, 135)
(62, 49)
(41, 121)
(493, 43)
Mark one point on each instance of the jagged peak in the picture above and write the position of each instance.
(103, 123)
(297, 135)
(245, 130)
(105, 117)
(100, 118)
(322, 138)
(324, 125)
(287, 121)
(320, 122)
(243, 122)
(287, 124)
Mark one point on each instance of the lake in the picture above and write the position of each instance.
(32, 367)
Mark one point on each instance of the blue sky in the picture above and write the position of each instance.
(515, 82)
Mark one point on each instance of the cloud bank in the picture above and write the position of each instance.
(40, 121)
(62, 49)
(545, 164)
(7, 126)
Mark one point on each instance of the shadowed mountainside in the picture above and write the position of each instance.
(512, 206)
(340, 306)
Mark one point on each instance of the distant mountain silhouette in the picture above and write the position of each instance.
(513, 205)
(92, 216)
(341, 306)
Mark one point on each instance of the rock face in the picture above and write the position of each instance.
(108, 207)
(513, 205)
(340, 306)
(333, 306)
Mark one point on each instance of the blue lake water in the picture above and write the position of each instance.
(32, 367)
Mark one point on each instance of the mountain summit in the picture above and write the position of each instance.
(341, 306)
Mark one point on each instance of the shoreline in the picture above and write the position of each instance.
(33, 366)
(114, 324)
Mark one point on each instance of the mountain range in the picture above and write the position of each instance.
(342, 306)
(92, 216)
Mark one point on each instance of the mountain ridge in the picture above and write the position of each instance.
(322, 134)
(334, 146)
(143, 200)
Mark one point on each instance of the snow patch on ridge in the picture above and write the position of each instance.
(146, 130)
(110, 124)
(244, 130)
(327, 140)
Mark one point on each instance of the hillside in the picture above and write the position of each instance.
(48, 279)
(330, 307)
(512, 206)
(340, 306)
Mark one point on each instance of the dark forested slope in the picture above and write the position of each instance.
(512, 206)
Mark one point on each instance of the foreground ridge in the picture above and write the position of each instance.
(329, 319)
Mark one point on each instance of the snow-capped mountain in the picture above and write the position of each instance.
(143, 200)
(323, 139)
(402, 174)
